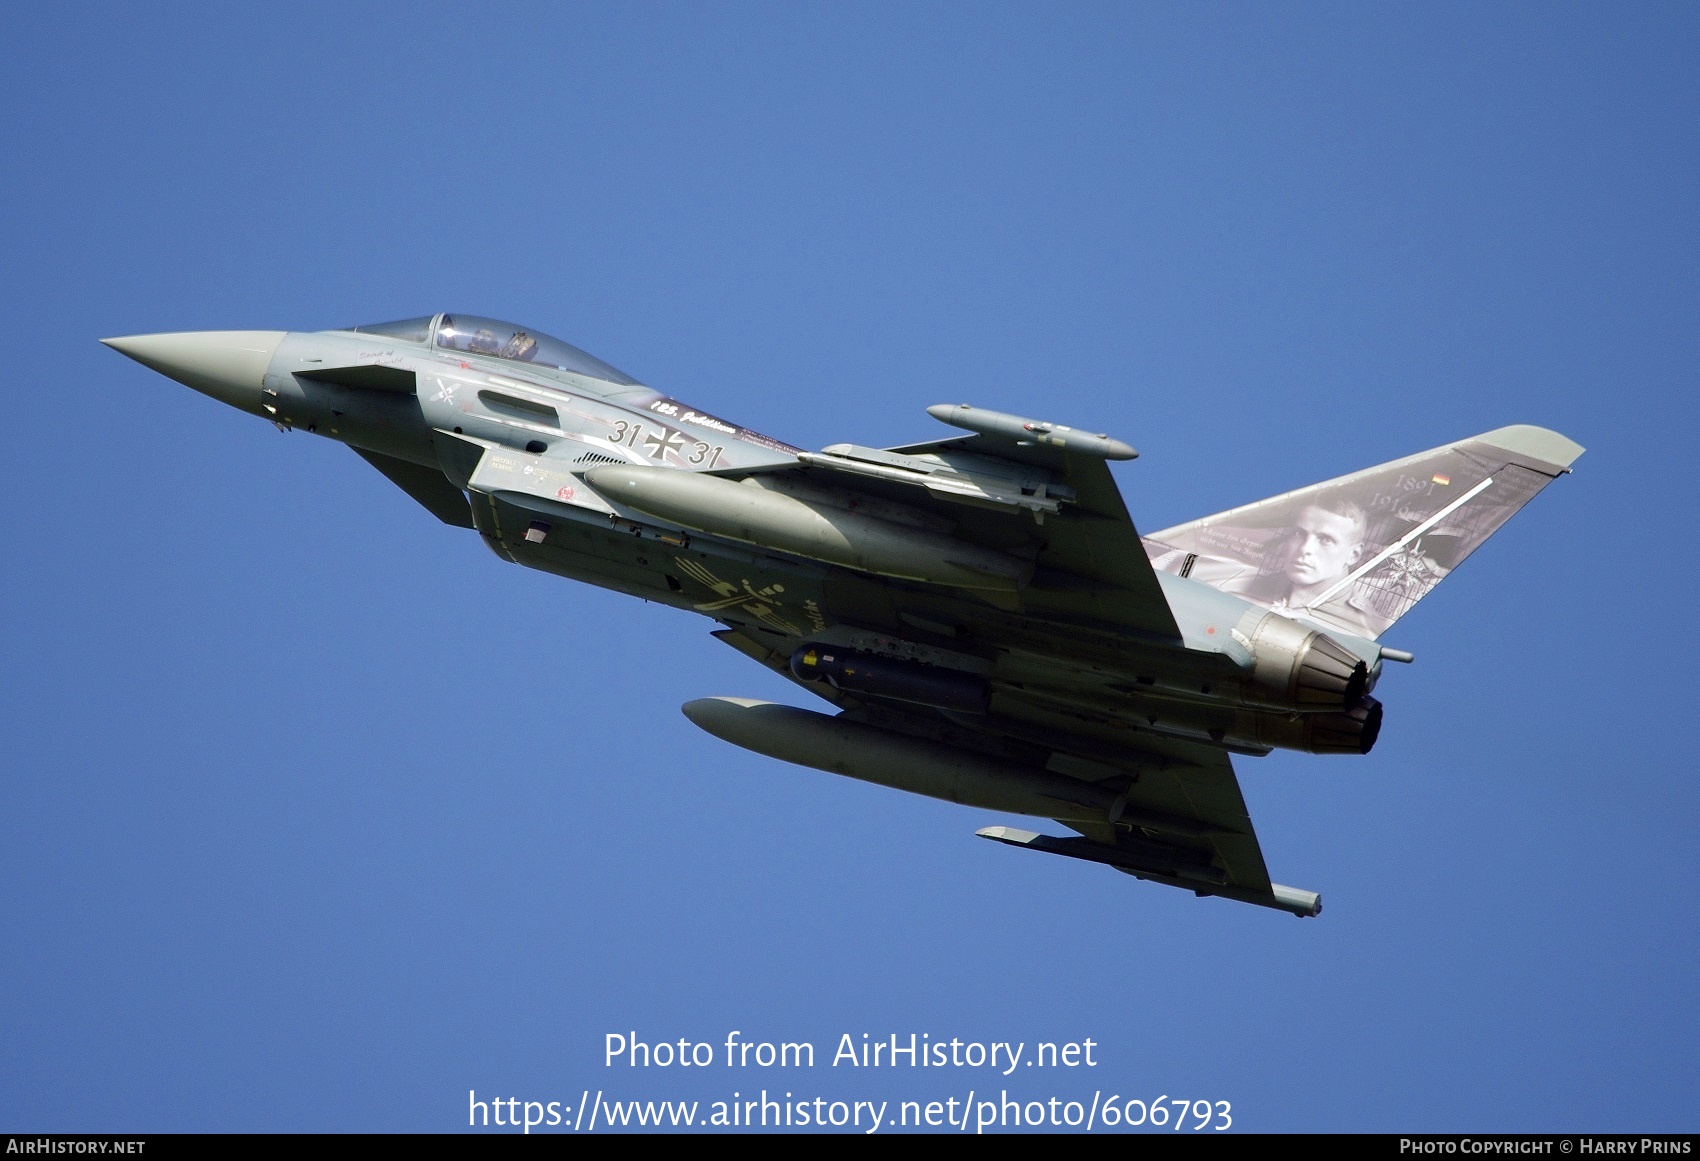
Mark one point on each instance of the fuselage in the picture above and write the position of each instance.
(517, 421)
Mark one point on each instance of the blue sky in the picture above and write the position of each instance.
(315, 815)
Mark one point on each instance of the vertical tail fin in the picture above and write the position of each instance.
(1357, 552)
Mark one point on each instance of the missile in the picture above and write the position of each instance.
(1031, 431)
(870, 754)
(892, 677)
(806, 527)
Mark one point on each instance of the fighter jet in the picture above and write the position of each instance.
(978, 610)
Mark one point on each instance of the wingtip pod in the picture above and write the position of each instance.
(1031, 431)
(1014, 836)
(1304, 904)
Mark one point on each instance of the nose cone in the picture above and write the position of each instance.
(228, 365)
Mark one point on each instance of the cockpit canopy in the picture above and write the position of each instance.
(412, 330)
(500, 340)
(488, 336)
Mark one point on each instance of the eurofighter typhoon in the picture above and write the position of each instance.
(979, 610)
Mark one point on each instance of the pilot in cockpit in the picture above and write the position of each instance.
(521, 347)
(484, 342)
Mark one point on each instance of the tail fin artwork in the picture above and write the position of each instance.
(1357, 552)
